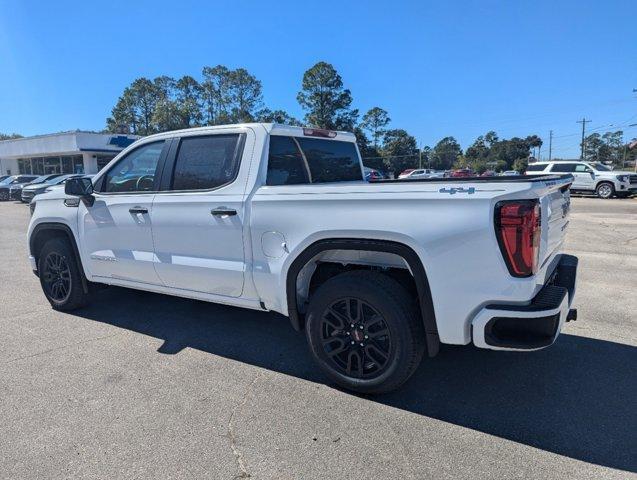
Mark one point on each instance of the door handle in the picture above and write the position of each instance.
(141, 210)
(223, 212)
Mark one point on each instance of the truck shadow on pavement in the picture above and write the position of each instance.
(575, 399)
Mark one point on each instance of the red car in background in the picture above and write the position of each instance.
(463, 172)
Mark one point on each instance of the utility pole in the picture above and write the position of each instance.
(550, 144)
(583, 121)
(631, 125)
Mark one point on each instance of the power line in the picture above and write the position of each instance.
(550, 144)
(583, 121)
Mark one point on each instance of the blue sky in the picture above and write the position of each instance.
(439, 68)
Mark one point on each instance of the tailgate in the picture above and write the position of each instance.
(556, 205)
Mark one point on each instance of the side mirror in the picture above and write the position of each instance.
(78, 187)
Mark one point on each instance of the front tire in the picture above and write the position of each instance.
(60, 276)
(364, 331)
(605, 190)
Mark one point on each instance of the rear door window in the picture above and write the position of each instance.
(204, 163)
(297, 160)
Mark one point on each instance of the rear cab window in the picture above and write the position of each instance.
(301, 160)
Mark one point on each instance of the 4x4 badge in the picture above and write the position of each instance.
(454, 190)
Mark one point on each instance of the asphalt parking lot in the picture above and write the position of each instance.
(140, 385)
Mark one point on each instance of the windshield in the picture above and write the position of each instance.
(57, 180)
(600, 167)
(7, 181)
(41, 179)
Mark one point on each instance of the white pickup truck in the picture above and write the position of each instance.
(590, 177)
(278, 218)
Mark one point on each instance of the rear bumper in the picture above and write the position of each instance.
(532, 326)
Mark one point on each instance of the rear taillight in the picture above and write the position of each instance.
(517, 226)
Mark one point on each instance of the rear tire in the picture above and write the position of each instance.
(60, 276)
(605, 190)
(364, 331)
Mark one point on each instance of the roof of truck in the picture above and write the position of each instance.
(271, 128)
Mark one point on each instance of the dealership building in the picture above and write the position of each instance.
(66, 152)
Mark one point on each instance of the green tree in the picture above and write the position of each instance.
(400, 150)
(491, 152)
(504, 153)
(230, 96)
(277, 116)
(606, 148)
(189, 96)
(425, 156)
(520, 165)
(478, 151)
(374, 122)
(371, 155)
(326, 102)
(244, 95)
(216, 94)
(145, 94)
(491, 137)
(445, 153)
(10, 136)
(167, 113)
(135, 108)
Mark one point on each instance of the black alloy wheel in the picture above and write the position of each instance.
(56, 277)
(61, 276)
(364, 331)
(355, 338)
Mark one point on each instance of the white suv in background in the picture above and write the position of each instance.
(590, 177)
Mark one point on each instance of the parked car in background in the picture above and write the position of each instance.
(510, 173)
(15, 191)
(31, 190)
(14, 180)
(406, 173)
(372, 174)
(590, 177)
(488, 173)
(463, 172)
(418, 173)
(228, 214)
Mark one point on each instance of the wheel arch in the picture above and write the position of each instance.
(410, 257)
(45, 231)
